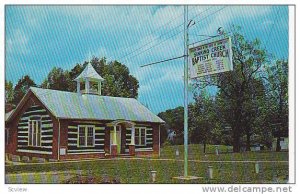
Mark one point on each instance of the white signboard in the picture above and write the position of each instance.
(211, 58)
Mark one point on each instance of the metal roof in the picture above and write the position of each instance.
(72, 105)
(89, 72)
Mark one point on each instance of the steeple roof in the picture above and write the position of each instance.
(89, 72)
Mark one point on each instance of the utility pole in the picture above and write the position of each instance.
(187, 24)
(186, 91)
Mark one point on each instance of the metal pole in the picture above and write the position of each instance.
(185, 91)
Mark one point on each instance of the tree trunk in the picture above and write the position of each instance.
(236, 147)
(204, 147)
(237, 124)
(278, 148)
(248, 141)
(236, 136)
(236, 141)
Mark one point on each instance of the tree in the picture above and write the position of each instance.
(174, 120)
(21, 88)
(9, 92)
(203, 121)
(277, 96)
(58, 79)
(255, 96)
(117, 79)
(234, 86)
(163, 134)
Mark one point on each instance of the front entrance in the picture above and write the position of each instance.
(118, 142)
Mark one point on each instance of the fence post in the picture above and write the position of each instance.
(177, 153)
(153, 176)
(217, 150)
(210, 172)
(257, 167)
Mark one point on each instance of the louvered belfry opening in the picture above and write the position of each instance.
(89, 81)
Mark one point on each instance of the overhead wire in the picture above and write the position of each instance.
(152, 32)
(171, 37)
(159, 37)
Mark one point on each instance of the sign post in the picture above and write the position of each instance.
(206, 59)
(186, 78)
(186, 60)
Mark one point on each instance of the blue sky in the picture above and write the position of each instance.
(37, 38)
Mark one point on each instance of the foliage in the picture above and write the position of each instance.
(240, 89)
(277, 89)
(9, 92)
(250, 104)
(57, 79)
(203, 121)
(276, 108)
(21, 88)
(174, 121)
(117, 79)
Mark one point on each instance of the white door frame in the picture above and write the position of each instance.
(119, 130)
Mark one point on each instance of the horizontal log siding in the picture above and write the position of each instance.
(35, 112)
(149, 140)
(73, 138)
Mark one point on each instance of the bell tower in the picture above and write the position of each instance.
(91, 79)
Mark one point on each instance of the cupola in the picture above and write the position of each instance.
(91, 79)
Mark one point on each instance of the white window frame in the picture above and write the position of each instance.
(36, 134)
(139, 143)
(85, 135)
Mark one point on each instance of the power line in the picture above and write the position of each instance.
(157, 44)
(126, 56)
(162, 61)
(180, 31)
(152, 32)
(146, 44)
(210, 14)
(201, 12)
(171, 37)
(169, 22)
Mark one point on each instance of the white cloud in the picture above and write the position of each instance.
(143, 89)
(129, 28)
(110, 18)
(267, 23)
(98, 52)
(168, 17)
(17, 43)
(225, 16)
(35, 16)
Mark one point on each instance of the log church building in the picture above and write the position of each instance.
(59, 125)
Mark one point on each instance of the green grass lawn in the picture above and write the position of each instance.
(138, 170)
(195, 152)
